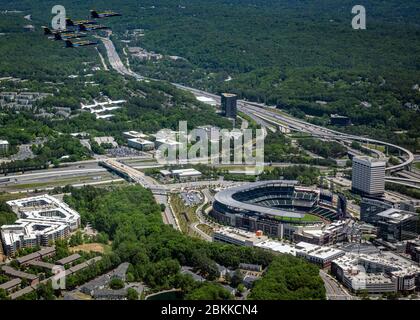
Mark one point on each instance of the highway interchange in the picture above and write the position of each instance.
(97, 171)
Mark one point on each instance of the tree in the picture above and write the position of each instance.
(237, 278)
(116, 284)
(132, 294)
(209, 291)
(3, 294)
(289, 278)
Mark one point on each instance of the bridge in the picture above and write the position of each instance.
(133, 175)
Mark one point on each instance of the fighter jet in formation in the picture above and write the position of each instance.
(107, 14)
(75, 23)
(74, 28)
(92, 27)
(48, 31)
(67, 36)
(70, 44)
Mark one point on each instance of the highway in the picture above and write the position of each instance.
(322, 132)
(115, 60)
(265, 113)
(135, 176)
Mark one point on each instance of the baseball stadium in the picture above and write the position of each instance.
(277, 208)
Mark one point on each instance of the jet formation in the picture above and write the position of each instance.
(77, 29)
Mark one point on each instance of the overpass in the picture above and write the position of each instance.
(314, 130)
(256, 109)
(132, 175)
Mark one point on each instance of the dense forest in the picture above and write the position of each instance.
(325, 149)
(132, 219)
(280, 285)
(300, 55)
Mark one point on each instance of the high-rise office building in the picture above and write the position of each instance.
(368, 176)
(397, 225)
(228, 104)
(369, 208)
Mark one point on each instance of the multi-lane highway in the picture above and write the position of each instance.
(274, 117)
(257, 110)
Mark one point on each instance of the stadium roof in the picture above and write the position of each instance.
(226, 197)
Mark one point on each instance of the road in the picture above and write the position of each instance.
(334, 290)
(277, 118)
(167, 215)
(115, 60)
(262, 111)
(198, 213)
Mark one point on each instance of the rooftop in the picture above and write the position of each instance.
(68, 259)
(396, 215)
(186, 172)
(240, 235)
(370, 161)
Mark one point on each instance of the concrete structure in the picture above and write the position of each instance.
(207, 100)
(397, 225)
(106, 140)
(42, 219)
(134, 134)
(36, 256)
(68, 259)
(368, 176)
(324, 234)
(11, 285)
(33, 279)
(4, 146)
(194, 275)
(109, 294)
(229, 105)
(413, 249)
(337, 120)
(322, 256)
(250, 267)
(238, 237)
(141, 144)
(278, 208)
(102, 282)
(41, 264)
(20, 100)
(369, 208)
(277, 247)
(186, 174)
(376, 273)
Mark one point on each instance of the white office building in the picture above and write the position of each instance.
(134, 134)
(368, 176)
(238, 237)
(320, 255)
(4, 146)
(141, 144)
(41, 219)
(186, 174)
(376, 273)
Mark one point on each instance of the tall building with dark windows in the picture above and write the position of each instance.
(369, 208)
(229, 105)
(397, 225)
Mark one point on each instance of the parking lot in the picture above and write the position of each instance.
(191, 198)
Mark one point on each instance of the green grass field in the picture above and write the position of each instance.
(307, 218)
